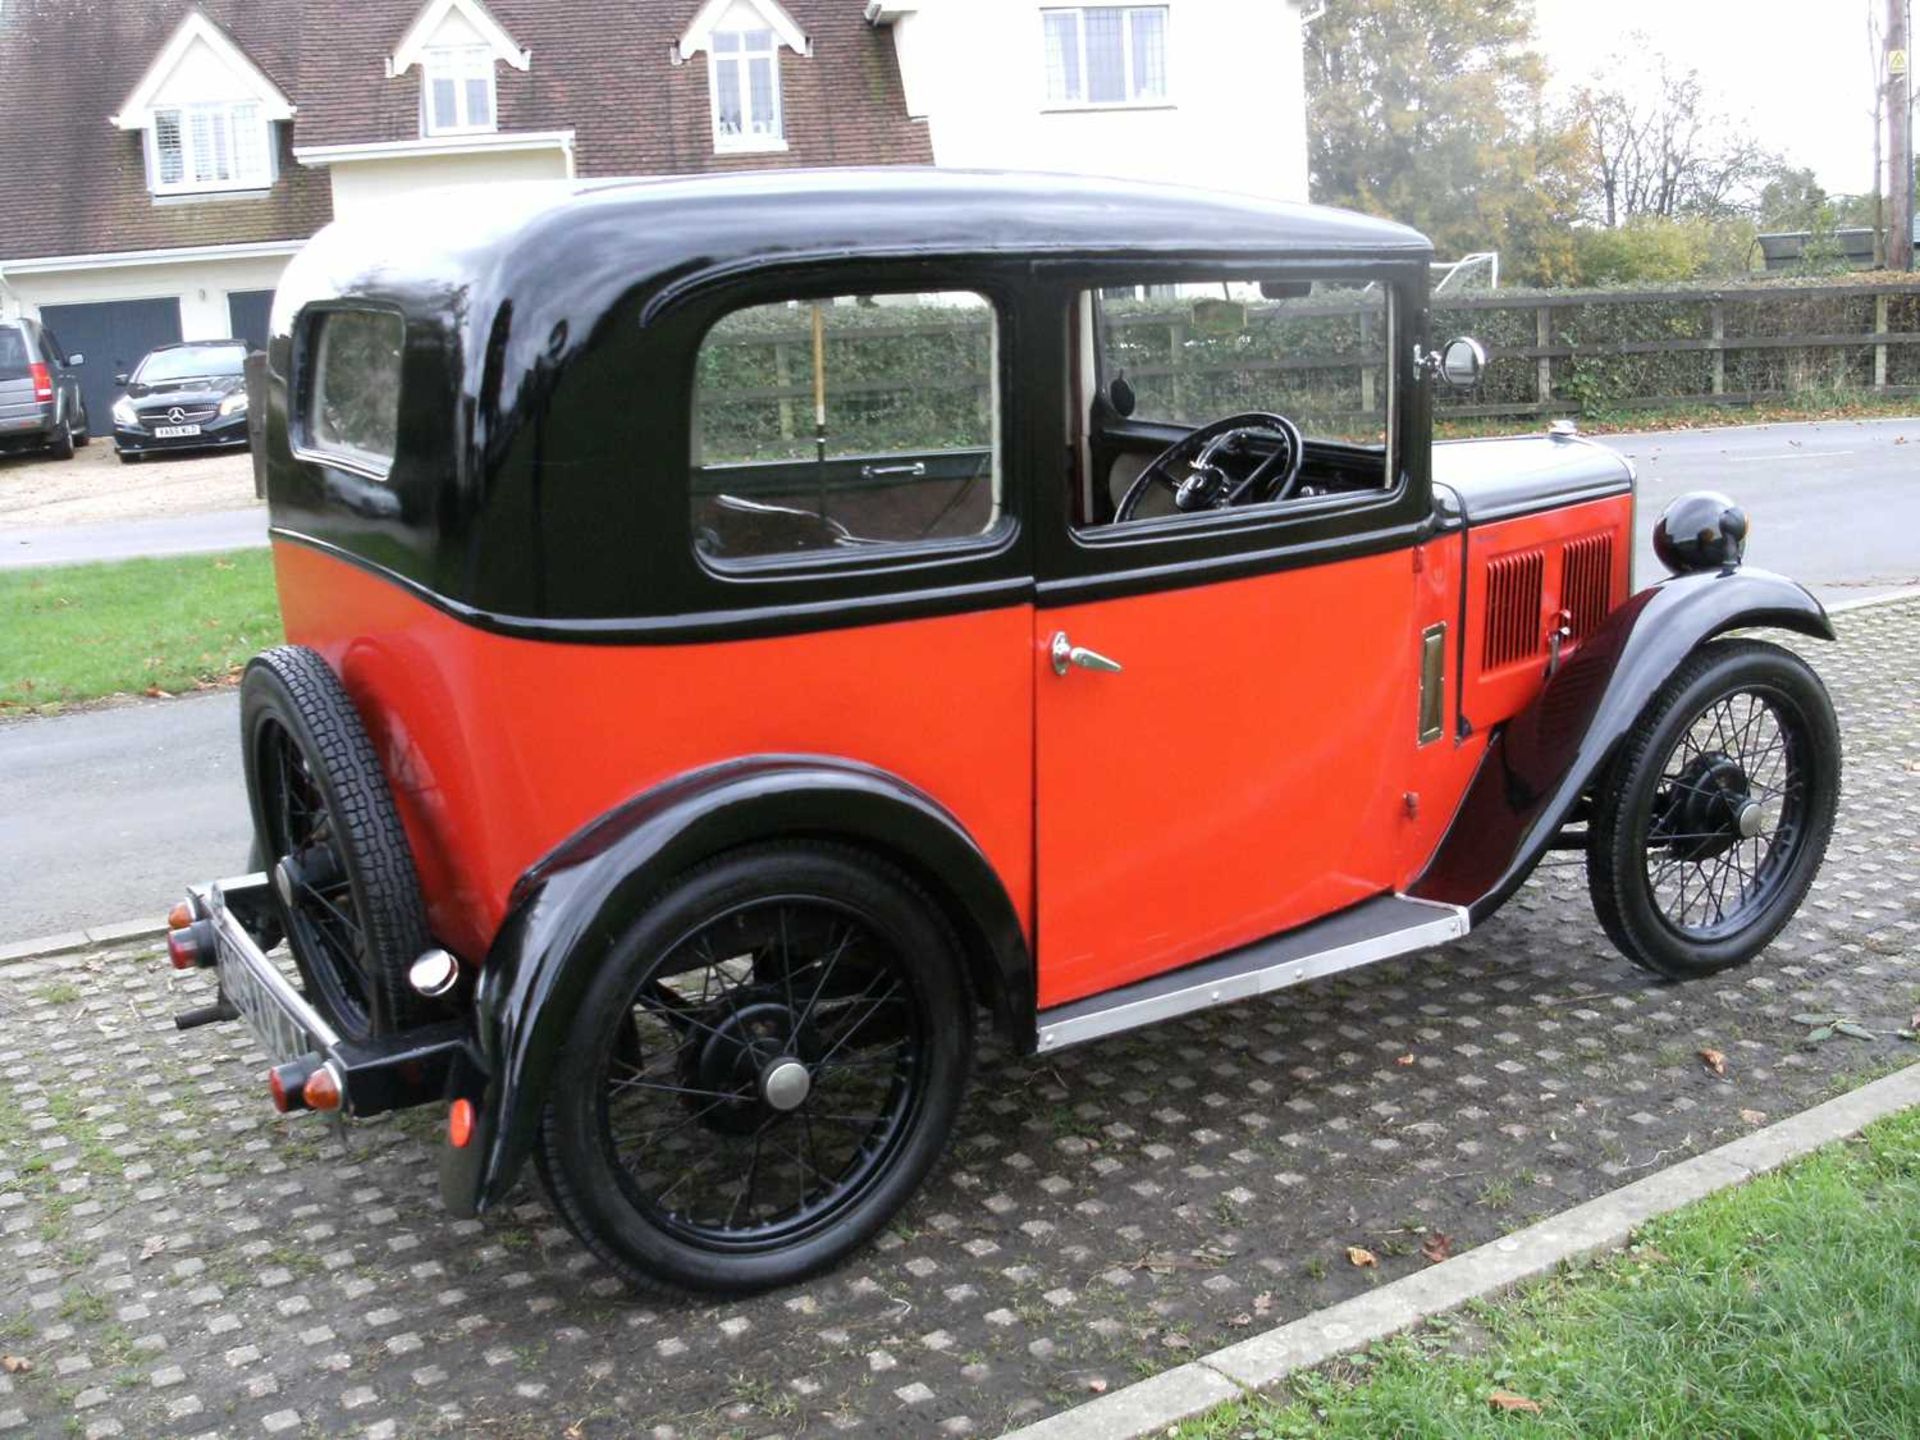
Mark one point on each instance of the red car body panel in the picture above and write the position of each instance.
(499, 748)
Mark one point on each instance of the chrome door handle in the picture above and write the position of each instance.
(1065, 653)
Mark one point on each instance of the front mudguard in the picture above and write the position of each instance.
(1541, 762)
(570, 910)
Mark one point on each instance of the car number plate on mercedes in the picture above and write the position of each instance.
(175, 432)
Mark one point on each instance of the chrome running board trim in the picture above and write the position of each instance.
(1377, 929)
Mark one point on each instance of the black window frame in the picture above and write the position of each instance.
(300, 438)
(1076, 563)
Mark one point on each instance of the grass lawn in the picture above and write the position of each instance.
(73, 633)
(1789, 1307)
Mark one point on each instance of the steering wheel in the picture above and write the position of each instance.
(1207, 485)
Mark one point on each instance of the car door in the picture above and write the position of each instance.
(1223, 760)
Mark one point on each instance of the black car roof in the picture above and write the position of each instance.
(579, 235)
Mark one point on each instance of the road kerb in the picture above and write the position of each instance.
(1604, 1223)
(68, 941)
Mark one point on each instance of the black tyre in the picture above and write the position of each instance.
(129, 457)
(61, 446)
(84, 435)
(1711, 823)
(328, 833)
(762, 1072)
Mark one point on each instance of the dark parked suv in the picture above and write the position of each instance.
(40, 404)
(189, 396)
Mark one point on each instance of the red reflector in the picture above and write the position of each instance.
(42, 380)
(277, 1085)
(183, 951)
(460, 1124)
(322, 1090)
(180, 916)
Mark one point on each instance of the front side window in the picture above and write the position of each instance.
(215, 146)
(1181, 373)
(1106, 55)
(854, 426)
(353, 392)
(458, 94)
(746, 90)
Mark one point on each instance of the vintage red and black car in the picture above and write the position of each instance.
(743, 631)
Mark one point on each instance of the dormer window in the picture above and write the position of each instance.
(746, 90)
(222, 145)
(743, 40)
(458, 94)
(205, 113)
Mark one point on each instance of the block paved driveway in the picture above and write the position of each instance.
(174, 1260)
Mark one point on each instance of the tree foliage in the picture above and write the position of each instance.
(1431, 112)
(1658, 143)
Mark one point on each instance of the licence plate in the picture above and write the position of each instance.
(276, 1031)
(175, 432)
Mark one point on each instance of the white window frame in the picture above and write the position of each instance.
(746, 142)
(222, 113)
(1161, 101)
(458, 63)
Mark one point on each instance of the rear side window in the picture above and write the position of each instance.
(353, 399)
(849, 425)
(13, 354)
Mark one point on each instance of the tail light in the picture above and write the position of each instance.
(42, 380)
(308, 1083)
(191, 946)
(460, 1124)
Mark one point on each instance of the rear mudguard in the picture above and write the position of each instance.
(1539, 764)
(570, 909)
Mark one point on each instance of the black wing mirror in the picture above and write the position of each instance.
(1462, 362)
(121, 378)
(76, 359)
(1120, 395)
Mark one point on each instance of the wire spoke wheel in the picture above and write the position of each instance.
(1727, 814)
(763, 1075)
(1711, 822)
(761, 1072)
(328, 834)
(317, 901)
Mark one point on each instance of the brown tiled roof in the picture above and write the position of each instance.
(75, 184)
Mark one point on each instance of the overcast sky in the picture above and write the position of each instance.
(1797, 70)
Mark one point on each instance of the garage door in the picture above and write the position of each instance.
(247, 312)
(113, 335)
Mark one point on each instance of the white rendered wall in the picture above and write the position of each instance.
(362, 185)
(201, 286)
(1234, 116)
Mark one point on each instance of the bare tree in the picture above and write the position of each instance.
(1659, 144)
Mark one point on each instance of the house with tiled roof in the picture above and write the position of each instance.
(161, 159)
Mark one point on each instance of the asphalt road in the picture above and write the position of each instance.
(105, 815)
(125, 539)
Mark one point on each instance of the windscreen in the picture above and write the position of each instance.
(191, 362)
(13, 354)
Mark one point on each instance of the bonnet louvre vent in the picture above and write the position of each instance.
(1513, 607)
(1586, 583)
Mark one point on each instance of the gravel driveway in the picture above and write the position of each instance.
(176, 1260)
(94, 486)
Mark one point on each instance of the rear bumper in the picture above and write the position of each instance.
(230, 433)
(375, 1076)
(31, 431)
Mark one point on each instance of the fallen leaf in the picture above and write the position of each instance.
(1507, 1400)
(1754, 1117)
(1436, 1247)
(1096, 1384)
(1362, 1258)
(1263, 1302)
(16, 1364)
(1848, 1027)
(1406, 1059)
(1715, 1062)
(1811, 1019)
(1819, 1033)
(154, 692)
(1240, 1321)
(152, 1246)
(1176, 1341)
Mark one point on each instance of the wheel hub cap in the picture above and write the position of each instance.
(785, 1083)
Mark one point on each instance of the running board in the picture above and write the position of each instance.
(1373, 930)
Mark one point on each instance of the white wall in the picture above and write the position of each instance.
(360, 185)
(1234, 118)
(201, 286)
